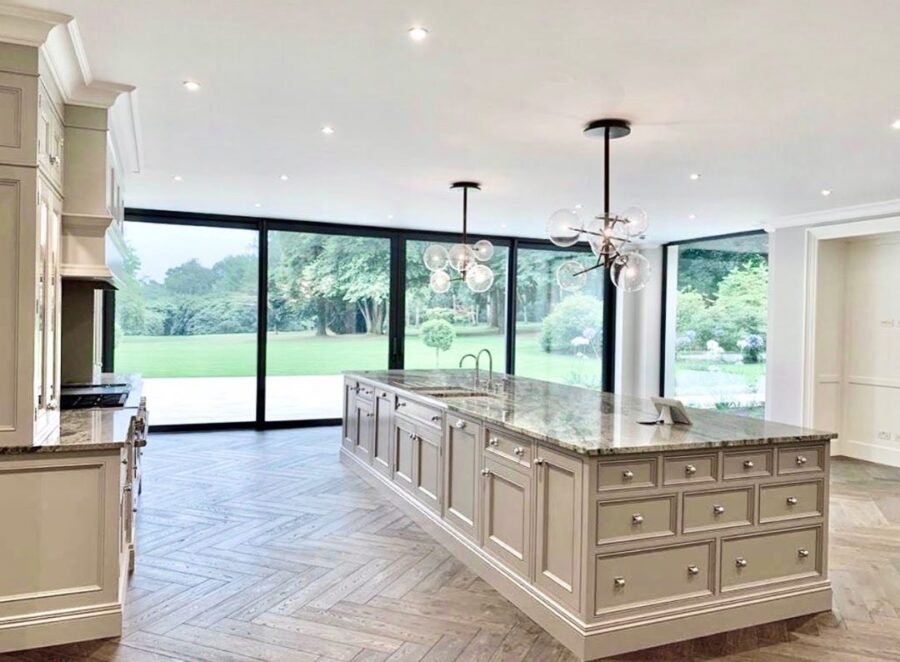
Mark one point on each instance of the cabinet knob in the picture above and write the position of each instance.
(748, 464)
(460, 425)
(384, 394)
(637, 518)
(791, 501)
(628, 474)
(401, 404)
(518, 450)
(355, 389)
(802, 553)
(54, 159)
(436, 419)
(125, 460)
(740, 562)
(718, 510)
(493, 441)
(693, 570)
(412, 435)
(619, 582)
(690, 469)
(369, 414)
(538, 460)
(127, 488)
(485, 472)
(801, 459)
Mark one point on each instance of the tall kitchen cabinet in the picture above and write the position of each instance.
(31, 162)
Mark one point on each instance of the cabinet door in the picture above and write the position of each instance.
(558, 541)
(402, 452)
(506, 515)
(427, 468)
(53, 300)
(365, 426)
(461, 475)
(381, 442)
(350, 420)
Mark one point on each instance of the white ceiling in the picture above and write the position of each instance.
(771, 100)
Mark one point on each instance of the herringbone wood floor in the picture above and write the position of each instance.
(262, 546)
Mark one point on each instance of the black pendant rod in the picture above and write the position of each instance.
(465, 214)
(606, 173)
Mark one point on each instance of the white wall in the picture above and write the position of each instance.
(828, 403)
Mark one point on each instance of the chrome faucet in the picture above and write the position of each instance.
(490, 364)
(464, 357)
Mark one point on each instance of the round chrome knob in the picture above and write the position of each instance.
(619, 582)
(401, 404)
(369, 414)
(748, 464)
(693, 570)
(493, 441)
(518, 450)
(718, 510)
(125, 460)
(740, 562)
(690, 469)
(801, 459)
(637, 518)
(436, 419)
(791, 501)
(802, 553)
(53, 160)
(485, 472)
(538, 460)
(628, 474)
(412, 435)
(460, 425)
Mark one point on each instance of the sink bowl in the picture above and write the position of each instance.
(456, 392)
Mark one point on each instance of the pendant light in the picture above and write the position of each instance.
(462, 258)
(608, 234)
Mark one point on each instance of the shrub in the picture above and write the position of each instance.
(438, 334)
(445, 314)
(752, 347)
(578, 316)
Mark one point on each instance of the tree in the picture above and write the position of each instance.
(439, 334)
(576, 317)
(190, 278)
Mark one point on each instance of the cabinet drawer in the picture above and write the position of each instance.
(509, 448)
(626, 474)
(804, 459)
(633, 519)
(652, 576)
(721, 509)
(420, 412)
(746, 464)
(683, 469)
(770, 557)
(365, 391)
(790, 501)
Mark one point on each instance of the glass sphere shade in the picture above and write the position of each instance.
(461, 256)
(483, 249)
(435, 257)
(570, 276)
(440, 281)
(479, 278)
(564, 227)
(631, 272)
(635, 224)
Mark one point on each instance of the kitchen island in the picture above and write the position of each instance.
(612, 535)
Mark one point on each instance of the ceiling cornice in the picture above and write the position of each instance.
(861, 212)
(59, 40)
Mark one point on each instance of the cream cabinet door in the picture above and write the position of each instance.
(558, 544)
(506, 515)
(402, 452)
(461, 474)
(427, 467)
(381, 439)
(350, 420)
(365, 427)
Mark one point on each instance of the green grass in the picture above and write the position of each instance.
(302, 353)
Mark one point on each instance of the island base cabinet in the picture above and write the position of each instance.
(427, 468)
(381, 438)
(461, 478)
(558, 513)
(506, 515)
(403, 452)
(365, 429)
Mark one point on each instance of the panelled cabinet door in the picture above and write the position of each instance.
(506, 515)
(402, 452)
(365, 425)
(461, 474)
(381, 442)
(350, 420)
(558, 544)
(427, 468)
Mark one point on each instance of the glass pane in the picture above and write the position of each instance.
(186, 320)
(328, 312)
(559, 334)
(721, 313)
(442, 328)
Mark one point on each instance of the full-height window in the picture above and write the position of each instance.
(186, 319)
(716, 316)
(441, 328)
(559, 334)
(328, 304)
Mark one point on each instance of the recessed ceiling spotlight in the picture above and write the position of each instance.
(896, 125)
(417, 33)
(695, 176)
(503, 226)
(257, 204)
(390, 217)
(692, 216)
(178, 178)
(327, 130)
(191, 85)
(578, 206)
(826, 192)
(284, 178)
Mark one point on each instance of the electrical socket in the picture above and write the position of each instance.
(884, 435)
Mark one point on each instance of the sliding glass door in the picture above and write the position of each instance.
(186, 319)
(328, 311)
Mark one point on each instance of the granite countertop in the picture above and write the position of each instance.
(586, 421)
(96, 429)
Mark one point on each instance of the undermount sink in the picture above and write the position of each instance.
(456, 392)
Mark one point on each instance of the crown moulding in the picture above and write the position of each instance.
(58, 38)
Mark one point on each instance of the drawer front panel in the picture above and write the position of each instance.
(657, 575)
(790, 501)
(689, 469)
(704, 511)
(803, 459)
(419, 412)
(508, 448)
(635, 518)
(771, 557)
(626, 474)
(747, 464)
(366, 391)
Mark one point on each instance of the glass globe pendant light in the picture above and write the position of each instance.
(466, 260)
(608, 235)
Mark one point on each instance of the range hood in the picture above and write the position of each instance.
(91, 249)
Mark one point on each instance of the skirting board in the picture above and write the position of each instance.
(60, 628)
(589, 642)
(860, 450)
